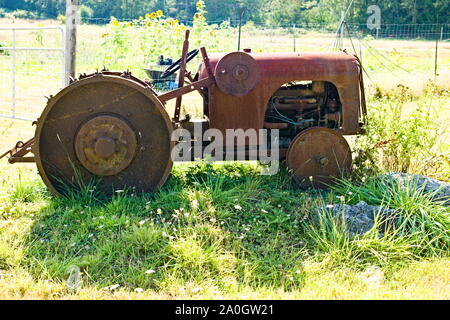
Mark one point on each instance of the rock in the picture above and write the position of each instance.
(440, 190)
(360, 218)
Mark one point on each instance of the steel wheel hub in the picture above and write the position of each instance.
(105, 145)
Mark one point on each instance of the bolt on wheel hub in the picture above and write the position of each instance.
(105, 145)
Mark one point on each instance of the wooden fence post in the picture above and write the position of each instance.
(71, 38)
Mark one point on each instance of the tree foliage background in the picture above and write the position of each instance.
(274, 12)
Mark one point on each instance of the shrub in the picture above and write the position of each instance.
(61, 18)
(396, 142)
(85, 13)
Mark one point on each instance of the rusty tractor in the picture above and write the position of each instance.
(114, 126)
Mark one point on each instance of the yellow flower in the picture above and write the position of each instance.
(141, 18)
(115, 23)
(159, 13)
(147, 16)
(153, 15)
(130, 24)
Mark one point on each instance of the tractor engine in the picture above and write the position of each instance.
(304, 104)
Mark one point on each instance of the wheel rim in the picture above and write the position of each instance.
(106, 127)
(317, 156)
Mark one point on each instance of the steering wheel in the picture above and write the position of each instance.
(174, 67)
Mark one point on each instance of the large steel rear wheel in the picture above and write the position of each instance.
(107, 127)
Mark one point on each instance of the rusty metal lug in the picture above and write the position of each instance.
(98, 73)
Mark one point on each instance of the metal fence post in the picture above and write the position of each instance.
(293, 33)
(14, 74)
(436, 57)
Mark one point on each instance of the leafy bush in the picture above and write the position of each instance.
(85, 13)
(152, 35)
(61, 18)
(23, 14)
(395, 142)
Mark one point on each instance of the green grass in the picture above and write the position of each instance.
(214, 230)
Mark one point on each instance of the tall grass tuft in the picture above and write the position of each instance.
(423, 222)
(26, 189)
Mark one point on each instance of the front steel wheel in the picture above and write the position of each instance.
(317, 156)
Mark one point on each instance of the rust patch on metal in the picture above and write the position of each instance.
(237, 74)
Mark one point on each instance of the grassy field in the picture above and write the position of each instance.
(221, 230)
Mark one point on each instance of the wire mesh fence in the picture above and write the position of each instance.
(31, 67)
(389, 31)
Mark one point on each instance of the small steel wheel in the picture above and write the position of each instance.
(317, 156)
